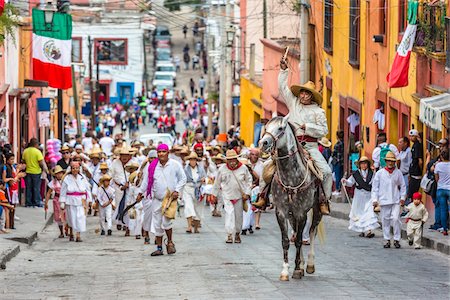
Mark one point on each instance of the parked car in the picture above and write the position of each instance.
(163, 55)
(167, 69)
(162, 79)
(161, 33)
(157, 138)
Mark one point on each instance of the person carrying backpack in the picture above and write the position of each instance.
(379, 153)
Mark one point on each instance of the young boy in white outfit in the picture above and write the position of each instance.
(417, 216)
(105, 198)
(389, 191)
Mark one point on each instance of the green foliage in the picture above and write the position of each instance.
(433, 26)
(8, 21)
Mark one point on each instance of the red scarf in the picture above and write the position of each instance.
(238, 166)
(390, 170)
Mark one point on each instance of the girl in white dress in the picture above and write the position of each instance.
(362, 217)
(193, 207)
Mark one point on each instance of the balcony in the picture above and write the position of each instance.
(431, 30)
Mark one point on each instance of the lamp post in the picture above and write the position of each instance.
(49, 11)
(230, 32)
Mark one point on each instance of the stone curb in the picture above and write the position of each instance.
(11, 252)
(426, 241)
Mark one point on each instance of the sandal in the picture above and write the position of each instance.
(370, 235)
(78, 240)
(361, 234)
(229, 239)
(147, 241)
(189, 230)
(71, 239)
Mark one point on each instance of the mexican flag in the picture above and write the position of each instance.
(52, 49)
(398, 77)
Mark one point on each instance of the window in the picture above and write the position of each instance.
(354, 33)
(383, 17)
(402, 16)
(111, 51)
(77, 50)
(328, 26)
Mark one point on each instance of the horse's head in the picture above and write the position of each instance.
(274, 134)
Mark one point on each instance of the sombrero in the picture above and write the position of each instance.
(325, 142)
(309, 86)
(363, 159)
(64, 148)
(104, 166)
(193, 155)
(57, 169)
(131, 165)
(105, 177)
(124, 151)
(184, 151)
(231, 154)
(218, 157)
(390, 156)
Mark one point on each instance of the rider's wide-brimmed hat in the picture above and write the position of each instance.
(325, 142)
(390, 156)
(363, 159)
(309, 86)
(231, 154)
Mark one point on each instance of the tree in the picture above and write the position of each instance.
(9, 20)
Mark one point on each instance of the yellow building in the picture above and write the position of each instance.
(251, 108)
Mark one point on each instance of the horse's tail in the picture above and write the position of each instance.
(321, 232)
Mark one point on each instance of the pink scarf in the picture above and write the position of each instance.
(151, 176)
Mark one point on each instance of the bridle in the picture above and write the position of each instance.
(290, 190)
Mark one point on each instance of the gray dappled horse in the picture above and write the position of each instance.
(295, 191)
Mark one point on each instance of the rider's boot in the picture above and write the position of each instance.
(327, 185)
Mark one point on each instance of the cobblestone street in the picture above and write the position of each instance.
(204, 267)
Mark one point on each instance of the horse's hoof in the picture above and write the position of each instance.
(284, 277)
(298, 274)
(310, 269)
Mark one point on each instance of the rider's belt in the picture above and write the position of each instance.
(415, 220)
(306, 139)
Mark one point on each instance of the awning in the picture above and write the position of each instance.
(431, 110)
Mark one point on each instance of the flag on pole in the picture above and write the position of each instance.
(398, 76)
(52, 49)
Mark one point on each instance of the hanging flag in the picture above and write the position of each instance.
(52, 49)
(398, 77)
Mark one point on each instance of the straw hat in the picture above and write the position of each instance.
(363, 159)
(184, 151)
(325, 142)
(193, 155)
(124, 151)
(218, 148)
(64, 148)
(104, 166)
(134, 151)
(57, 169)
(218, 157)
(131, 166)
(105, 177)
(132, 177)
(95, 154)
(231, 154)
(176, 148)
(309, 86)
(208, 148)
(390, 156)
(244, 161)
(146, 150)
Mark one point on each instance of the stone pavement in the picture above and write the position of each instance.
(204, 267)
(431, 238)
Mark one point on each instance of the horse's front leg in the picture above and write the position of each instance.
(310, 268)
(282, 222)
(299, 260)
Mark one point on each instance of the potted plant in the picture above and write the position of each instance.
(9, 19)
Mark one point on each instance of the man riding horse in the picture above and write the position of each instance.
(309, 123)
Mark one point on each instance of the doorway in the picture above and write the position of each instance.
(104, 94)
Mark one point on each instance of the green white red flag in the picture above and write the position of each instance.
(52, 49)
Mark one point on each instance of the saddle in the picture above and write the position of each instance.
(270, 168)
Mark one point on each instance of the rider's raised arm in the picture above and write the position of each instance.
(284, 90)
(319, 128)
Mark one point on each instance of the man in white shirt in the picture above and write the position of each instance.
(389, 191)
(107, 143)
(161, 176)
(381, 138)
(87, 142)
(404, 158)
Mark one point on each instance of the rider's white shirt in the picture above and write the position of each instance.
(312, 115)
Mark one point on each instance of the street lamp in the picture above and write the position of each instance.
(230, 36)
(49, 11)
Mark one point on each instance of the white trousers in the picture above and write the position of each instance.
(248, 217)
(76, 217)
(305, 234)
(233, 216)
(159, 222)
(192, 207)
(105, 216)
(322, 165)
(414, 232)
(147, 222)
(390, 216)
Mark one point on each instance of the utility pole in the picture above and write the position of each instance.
(211, 86)
(265, 18)
(223, 56)
(91, 85)
(97, 84)
(145, 65)
(228, 74)
(304, 41)
(60, 116)
(75, 98)
(252, 62)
